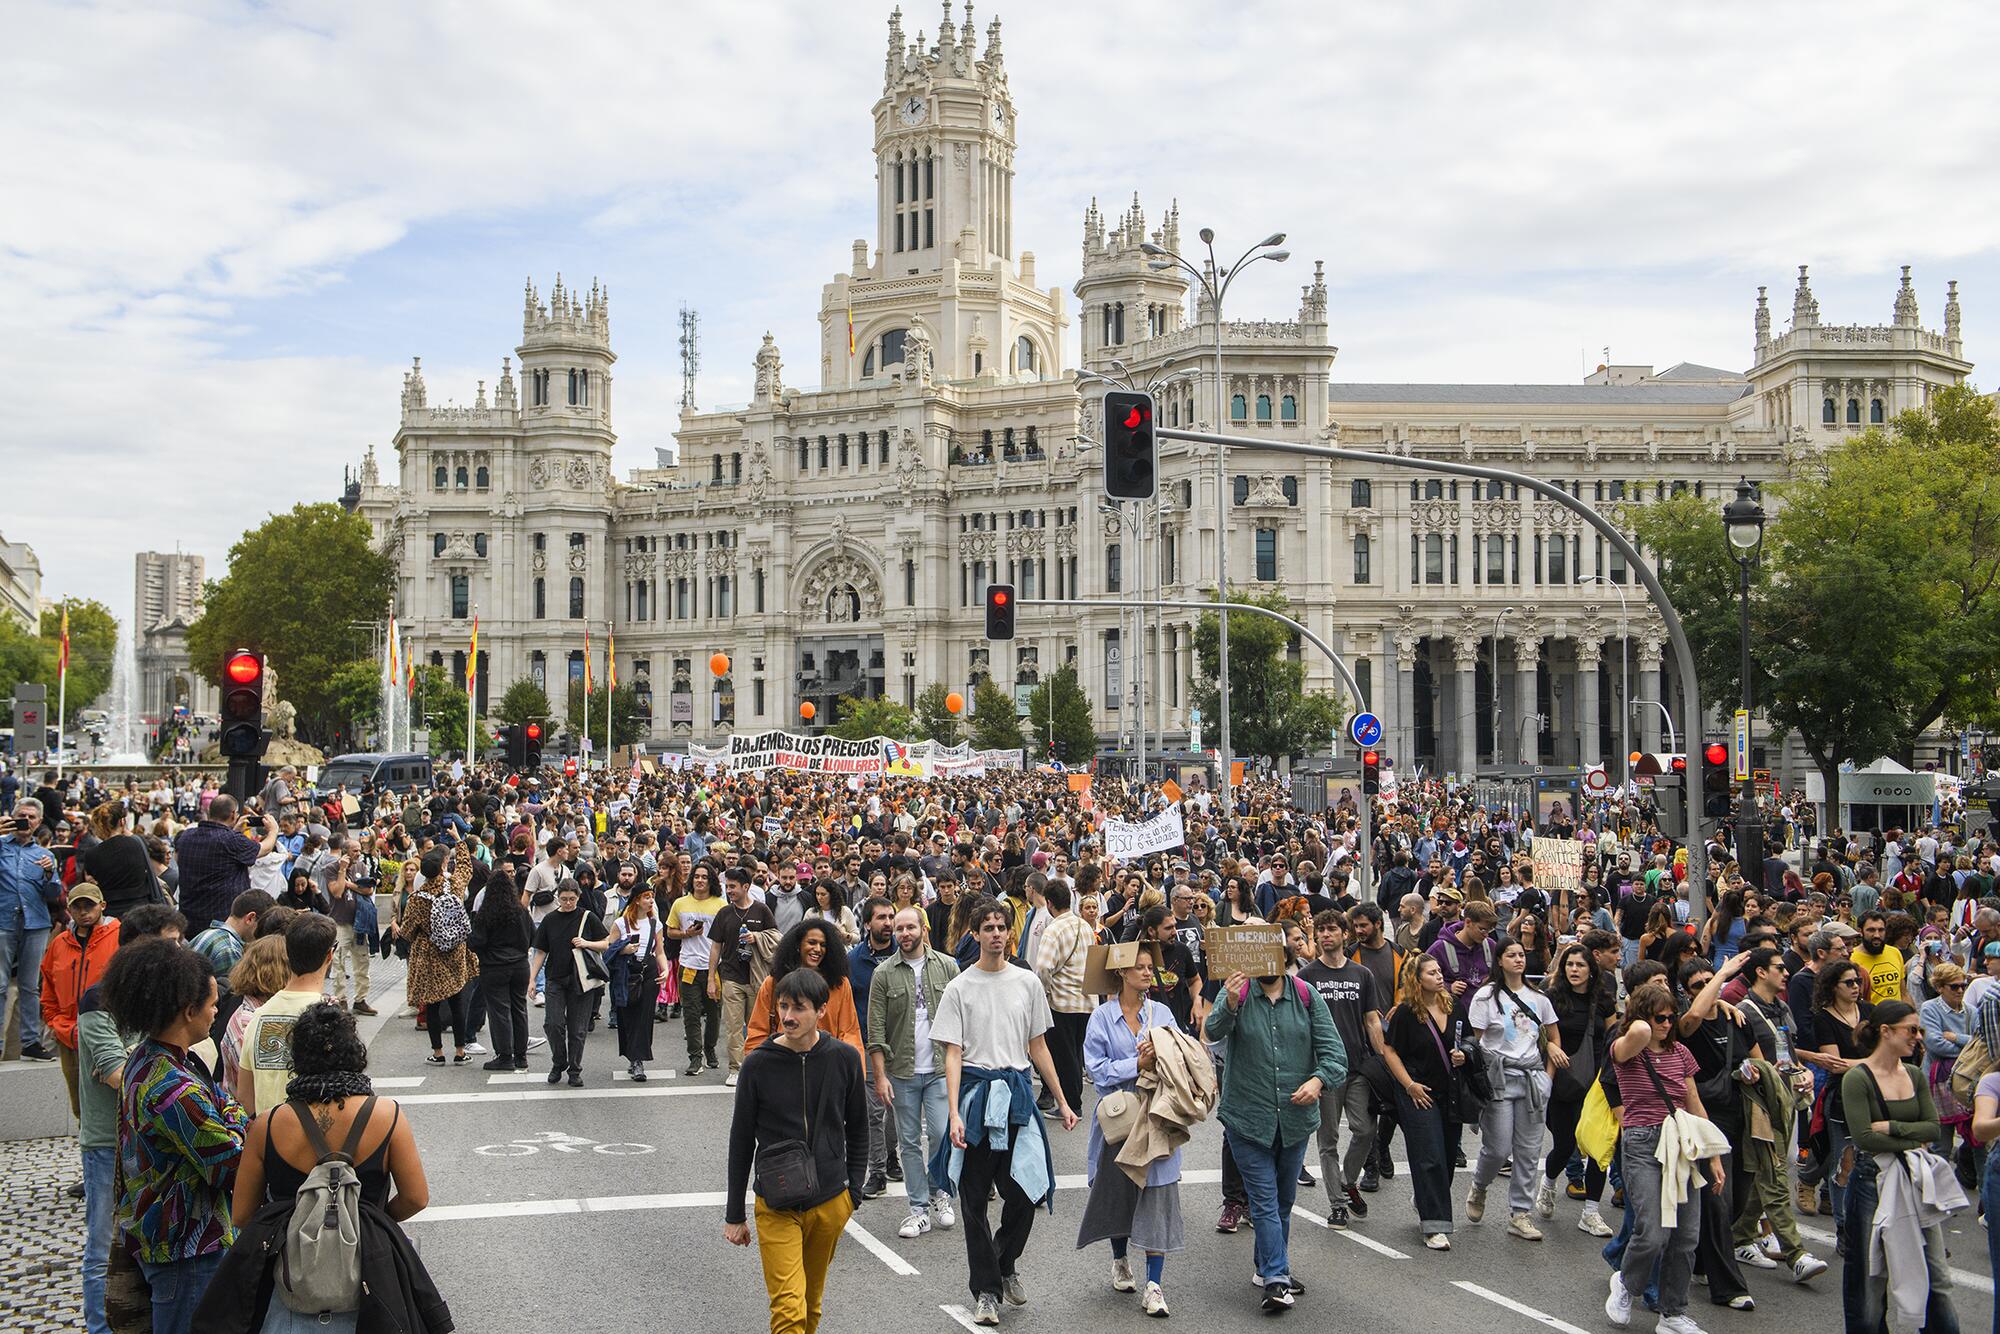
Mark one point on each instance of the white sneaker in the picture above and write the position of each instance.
(1155, 1304)
(1677, 1324)
(941, 1213)
(1618, 1306)
(538, 1000)
(914, 1225)
(1437, 1241)
(1475, 1204)
(1772, 1246)
(1524, 1227)
(1545, 1200)
(729, 1081)
(476, 1049)
(1807, 1268)
(537, 1041)
(1755, 1257)
(1591, 1221)
(1121, 1275)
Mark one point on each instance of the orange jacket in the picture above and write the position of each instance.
(840, 1019)
(68, 970)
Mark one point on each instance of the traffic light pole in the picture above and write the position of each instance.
(1697, 878)
(1183, 604)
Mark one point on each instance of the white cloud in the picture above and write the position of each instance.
(1493, 189)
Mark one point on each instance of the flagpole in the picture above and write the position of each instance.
(610, 683)
(471, 694)
(586, 695)
(62, 691)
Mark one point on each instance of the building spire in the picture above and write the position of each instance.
(1805, 310)
(1951, 315)
(1906, 303)
(1763, 321)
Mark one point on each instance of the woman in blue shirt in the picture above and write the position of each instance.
(1116, 1046)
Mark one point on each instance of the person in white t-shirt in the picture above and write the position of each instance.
(1518, 1039)
(993, 1020)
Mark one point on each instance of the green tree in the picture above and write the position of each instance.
(934, 720)
(22, 655)
(1270, 712)
(93, 645)
(440, 708)
(1059, 707)
(862, 718)
(1875, 606)
(524, 702)
(626, 724)
(296, 585)
(996, 725)
(357, 691)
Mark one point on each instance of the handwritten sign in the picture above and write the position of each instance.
(1124, 840)
(1558, 864)
(1256, 951)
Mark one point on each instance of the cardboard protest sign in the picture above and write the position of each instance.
(1558, 864)
(1256, 950)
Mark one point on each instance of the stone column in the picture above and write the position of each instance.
(1649, 689)
(1401, 679)
(1527, 667)
(1465, 658)
(1589, 654)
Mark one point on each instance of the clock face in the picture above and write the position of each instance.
(913, 110)
(999, 116)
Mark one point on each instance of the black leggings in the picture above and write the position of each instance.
(1563, 1116)
(450, 1010)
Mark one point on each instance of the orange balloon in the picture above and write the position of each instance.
(718, 663)
(955, 702)
(1635, 757)
(806, 710)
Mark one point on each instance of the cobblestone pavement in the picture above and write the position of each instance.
(41, 1237)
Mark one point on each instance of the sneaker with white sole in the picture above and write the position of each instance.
(1121, 1275)
(476, 1049)
(1522, 1226)
(1743, 1301)
(1592, 1222)
(729, 1080)
(1475, 1204)
(1754, 1257)
(1772, 1246)
(914, 1226)
(537, 1041)
(1437, 1241)
(1618, 1306)
(941, 1213)
(1545, 1200)
(1807, 1268)
(1015, 1291)
(1677, 1324)
(985, 1311)
(1155, 1304)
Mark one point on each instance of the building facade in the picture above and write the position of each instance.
(837, 540)
(21, 585)
(166, 600)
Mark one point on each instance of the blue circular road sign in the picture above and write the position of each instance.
(1366, 729)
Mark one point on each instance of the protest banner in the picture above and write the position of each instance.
(1124, 840)
(1558, 864)
(1256, 950)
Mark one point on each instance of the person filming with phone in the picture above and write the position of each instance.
(27, 879)
(215, 858)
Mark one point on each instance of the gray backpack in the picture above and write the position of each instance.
(320, 1269)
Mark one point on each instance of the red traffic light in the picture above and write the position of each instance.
(534, 731)
(1680, 764)
(1716, 753)
(244, 668)
(1371, 757)
(1000, 596)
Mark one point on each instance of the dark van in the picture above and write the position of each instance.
(400, 772)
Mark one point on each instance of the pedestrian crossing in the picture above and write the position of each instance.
(500, 1078)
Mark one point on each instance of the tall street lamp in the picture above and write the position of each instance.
(1743, 521)
(1214, 283)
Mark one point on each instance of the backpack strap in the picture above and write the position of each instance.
(314, 1135)
(353, 1144)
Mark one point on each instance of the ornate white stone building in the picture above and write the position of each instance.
(838, 539)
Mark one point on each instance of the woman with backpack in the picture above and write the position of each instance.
(441, 963)
(1522, 1048)
(281, 1183)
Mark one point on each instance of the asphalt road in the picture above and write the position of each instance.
(604, 1206)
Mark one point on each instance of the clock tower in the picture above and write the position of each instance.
(944, 274)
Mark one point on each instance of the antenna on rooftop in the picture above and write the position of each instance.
(690, 355)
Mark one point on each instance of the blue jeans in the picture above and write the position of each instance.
(1271, 1180)
(177, 1288)
(1989, 1195)
(21, 951)
(99, 1226)
(920, 1103)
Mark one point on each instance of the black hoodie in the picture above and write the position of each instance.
(774, 1090)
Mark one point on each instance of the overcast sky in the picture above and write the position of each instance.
(228, 227)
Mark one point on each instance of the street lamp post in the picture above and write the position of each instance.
(1215, 283)
(1498, 759)
(1624, 672)
(1743, 520)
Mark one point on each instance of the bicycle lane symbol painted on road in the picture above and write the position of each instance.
(558, 1141)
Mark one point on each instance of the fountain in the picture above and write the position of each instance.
(124, 729)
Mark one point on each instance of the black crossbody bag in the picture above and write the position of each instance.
(787, 1178)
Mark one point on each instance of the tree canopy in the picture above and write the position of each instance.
(524, 702)
(1270, 711)
(934, 720)
(862, 718)
(34, 657)
(626, 725)
(1059, 708)
(996, 724)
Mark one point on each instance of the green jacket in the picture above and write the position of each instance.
(101, 1049)
(892, 1027)
(1269, 1048)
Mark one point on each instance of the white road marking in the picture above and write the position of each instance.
(1965, 1278)
(398, 1082)
(603, 1204)
(961, 1315)
(1366, 1243)
(1543, 1317)
(549, 1091)
(500, 1077)
(879, 1249)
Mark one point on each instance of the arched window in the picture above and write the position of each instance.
(479, 544)
(437, 544)
(1263, 407)
(1361, 494)
(1238, 409)
(576, 599)
(573, 399)
(1827, 412)
(442, 477)
(1361, 559)
(868, 364)
(1854, 411)
(1288, 409)
(483, 478)
(892, 346)
(1875, 411)
(1024, 356)
(1433, 489)
(463, 476)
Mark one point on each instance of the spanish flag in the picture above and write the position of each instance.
(62, 653)
(850, 324)
(472, 659)
(611, 662)
(586, 663)
(394, 674)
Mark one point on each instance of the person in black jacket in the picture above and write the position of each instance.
(803, 1086)
(501, 932)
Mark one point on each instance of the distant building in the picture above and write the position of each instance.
(166, 600)
(20, 583)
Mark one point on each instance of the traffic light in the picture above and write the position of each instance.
(243, 739)
(531, 746)
(999, 611)
(1716, 785)
(1130, 462)
(1670, 800)
(507, 740)
(1371, 773)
